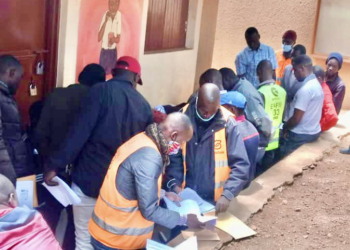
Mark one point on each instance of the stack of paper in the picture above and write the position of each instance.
(189, 194)
(190, 244)
(63, 193)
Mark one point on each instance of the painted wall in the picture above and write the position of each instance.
(167, 77)
(272, 18)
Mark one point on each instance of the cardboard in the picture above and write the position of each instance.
(233, 226)
(203, 235)
(31, 178)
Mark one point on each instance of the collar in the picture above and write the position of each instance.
(335, 79)
(241, 118)
(123, 78)
(267, 82)
(4, 87)
(309, 78)
(259, 49)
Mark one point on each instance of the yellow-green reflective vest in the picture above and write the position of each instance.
(275, 100)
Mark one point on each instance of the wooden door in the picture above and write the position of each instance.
(29, 31)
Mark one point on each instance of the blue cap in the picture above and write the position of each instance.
(233, 98)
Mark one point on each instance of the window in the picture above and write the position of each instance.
(166, 25)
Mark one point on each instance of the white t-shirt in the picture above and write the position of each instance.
(112, 26)
(310, 100)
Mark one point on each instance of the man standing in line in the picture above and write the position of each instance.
(248, 59)
(111, 114)
(14, 160)
(110, 33)
(304, 125)
(214, 162)
(284, 56)
(274, 100)
(335, 83)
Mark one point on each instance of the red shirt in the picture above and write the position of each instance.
(329, 113)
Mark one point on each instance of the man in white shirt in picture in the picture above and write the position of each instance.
(109, 34)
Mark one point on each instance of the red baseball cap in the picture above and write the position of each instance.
(131, 64)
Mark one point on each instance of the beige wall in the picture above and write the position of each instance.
(168, 77)
(272, 18)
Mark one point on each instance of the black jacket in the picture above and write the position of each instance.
(13, 150)
(111, 114)
(200, 160)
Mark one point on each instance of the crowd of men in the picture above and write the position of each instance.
(121, 157)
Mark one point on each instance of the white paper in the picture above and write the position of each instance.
(25, 192)
(187, 207)
(190, 244)
(63, 193)
(189, 194)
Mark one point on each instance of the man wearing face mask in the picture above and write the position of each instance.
(284, 56)
(304, 125)
(13, 152)
(127, 207)
(214, 162)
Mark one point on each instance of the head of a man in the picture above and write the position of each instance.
(11, 72)
(319, 73)
(264, 71)
(234, 102)
(177, 127)
(129, 68)
(208, 102)
(113, 6)
(92, 74)
(8, 197)
(334, 63)
(252, 37)
(302, 67)
(229, 78)
(211, 76)
(298, 50)
(288, 40)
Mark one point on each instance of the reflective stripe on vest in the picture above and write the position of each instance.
(222, 169)
(275, 99)
(117, 222)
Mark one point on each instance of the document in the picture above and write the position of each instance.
(31, 178)
(234, 226)
(63, 193)
(189, 244)
(189, 194)
(25, 193)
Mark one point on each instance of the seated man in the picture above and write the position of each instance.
(20, 227)
(274, 100)
(329, 113)
(236, 103)
(304, 125)
(335, 83)
(127, 206)
(214, 162)
(255, 111)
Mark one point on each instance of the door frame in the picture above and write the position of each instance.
(52, 20)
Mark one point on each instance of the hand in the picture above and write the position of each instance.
(177, 189)
(193, 222)
(49, 176)
(222, 205)
(174, 198)
(285, 134)
(117, 39)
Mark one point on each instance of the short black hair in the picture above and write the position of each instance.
(300, 48)
(265, 64)
(92, 74)
(229, 77)
(8, 61)
(319, 71)
(303, 60)
(251, 31)
(211, 76)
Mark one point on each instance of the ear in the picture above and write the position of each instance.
(259, 36)
(174, 135)
(13, 202)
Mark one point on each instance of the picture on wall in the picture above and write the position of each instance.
(108, 30)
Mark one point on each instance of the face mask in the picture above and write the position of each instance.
(174, 148)
(287, 48)
(200, 117)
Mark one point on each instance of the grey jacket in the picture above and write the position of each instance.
(137, 179)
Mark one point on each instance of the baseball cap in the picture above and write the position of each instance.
(131, 64)
(233, 98)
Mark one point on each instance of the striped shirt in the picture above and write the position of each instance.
(247, 61)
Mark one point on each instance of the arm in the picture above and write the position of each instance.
(302, 100)
(6, 167)
(119, 28)
(103, 26)
(338, 98)
(238, 162)
(294, 120)
(174, 173)
(273, 60)
(240, 67)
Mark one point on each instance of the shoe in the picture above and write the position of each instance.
(345, 151)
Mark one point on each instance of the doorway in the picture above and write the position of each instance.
(30, 33)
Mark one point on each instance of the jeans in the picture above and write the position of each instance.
(82, 214)
(267, 161)
(99, 246)
(293, 141)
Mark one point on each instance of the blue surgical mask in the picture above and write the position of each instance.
(287, 48)
(200, 117)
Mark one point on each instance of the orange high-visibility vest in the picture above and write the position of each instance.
(222, 169)
(117, 222)
(282, 64)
